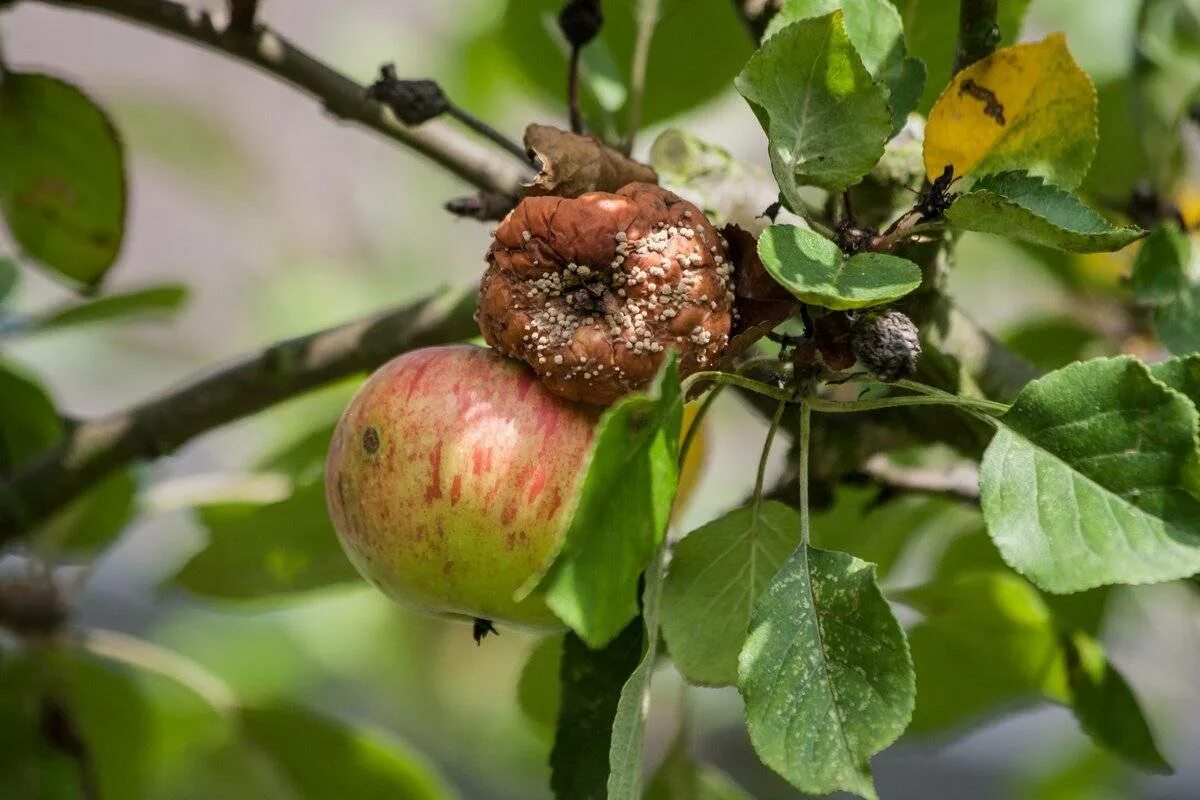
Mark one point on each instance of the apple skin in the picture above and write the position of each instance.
(451, 478)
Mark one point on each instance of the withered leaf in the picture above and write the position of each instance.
(573, 164)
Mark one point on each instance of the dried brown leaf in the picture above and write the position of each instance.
(573, 164)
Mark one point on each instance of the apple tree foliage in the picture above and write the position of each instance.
(1088, 475)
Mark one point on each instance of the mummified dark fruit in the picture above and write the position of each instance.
(887, 343)
(580, 21)
(592, 291)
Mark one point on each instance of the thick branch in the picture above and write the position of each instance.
(341, 96)
(94, 449)
(978, 32)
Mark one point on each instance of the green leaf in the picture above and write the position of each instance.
(1090, 479)
(622, 512)
(531, 40)
(136, 728)
(1178, 323)
(813, 269)
(875, 30)
(1160, 279)
(9, 275)
(154, 301)
(1181, 374)
(1159, 272)
(870, 527)
(987, 642)
(679, 777)
(323, 759)
(827, 123)
(1025, 208)
(1106, 707)
(29, 423)
(717, 573)
(1053, 341)
(825, 673)
(93, 520)
(257, 550)
(62, 179)
(629, 721)
(592, 681)
(538, 690)
(277, 548)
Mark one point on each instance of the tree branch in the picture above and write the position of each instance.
(978, 32)
(94, 449)
(338, 94)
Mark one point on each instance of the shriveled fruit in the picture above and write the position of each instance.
(451, 478)
(591, 291)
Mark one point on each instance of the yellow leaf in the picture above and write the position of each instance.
(1028, 107)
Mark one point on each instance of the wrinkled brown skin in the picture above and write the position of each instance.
(543, 236)
(451, 479)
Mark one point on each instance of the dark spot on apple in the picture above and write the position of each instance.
(371, 440)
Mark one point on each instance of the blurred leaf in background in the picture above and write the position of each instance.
(62, 178)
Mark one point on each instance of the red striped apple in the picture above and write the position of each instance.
(452, 477)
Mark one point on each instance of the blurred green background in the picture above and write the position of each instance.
(281, 221)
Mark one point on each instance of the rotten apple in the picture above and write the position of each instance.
(452, 477)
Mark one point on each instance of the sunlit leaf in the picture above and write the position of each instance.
(825, 673)
(877, 33)
(621, 514)
(62, 177)
(827, 124)
(1027, 107)
(813, 269)
(1024, 207)
(1090, 479)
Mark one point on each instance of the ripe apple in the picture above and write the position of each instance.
(451, 478)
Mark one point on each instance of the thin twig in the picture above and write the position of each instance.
(978, 32)
(340, 96)
(573, 91)
(487, 131)
(647, 20)
(94, 449)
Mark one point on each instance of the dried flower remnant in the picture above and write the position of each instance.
(591, 291)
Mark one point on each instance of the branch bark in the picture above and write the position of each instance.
(978, 32)
(338, 94)
(94, 449)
